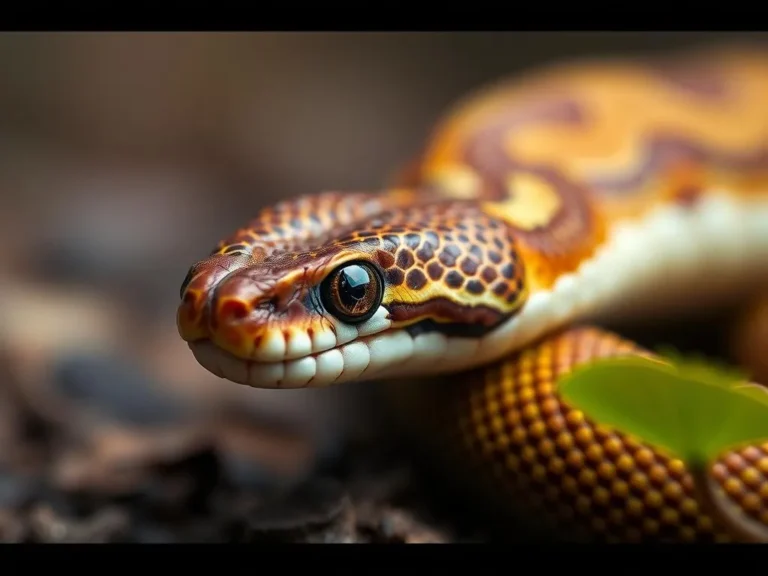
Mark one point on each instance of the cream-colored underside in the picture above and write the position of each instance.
(673, 260)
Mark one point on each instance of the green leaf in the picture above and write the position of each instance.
(701, 367)
(691, 409)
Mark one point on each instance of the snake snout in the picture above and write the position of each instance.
(249, 312)
(197, 290)
(259, 312)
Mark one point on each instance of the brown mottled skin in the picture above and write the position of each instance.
(517, 187)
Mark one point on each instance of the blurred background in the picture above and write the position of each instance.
(124, 157)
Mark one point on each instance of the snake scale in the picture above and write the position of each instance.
(613, 188)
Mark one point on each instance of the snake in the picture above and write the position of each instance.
(541, 207)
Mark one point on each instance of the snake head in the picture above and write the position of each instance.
(397, 291)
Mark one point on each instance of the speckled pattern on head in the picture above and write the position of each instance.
(583, 191)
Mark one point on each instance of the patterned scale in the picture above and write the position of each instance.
(506, 427)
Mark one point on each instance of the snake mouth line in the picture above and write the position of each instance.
(360, 359)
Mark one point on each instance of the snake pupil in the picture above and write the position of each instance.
(353, 285)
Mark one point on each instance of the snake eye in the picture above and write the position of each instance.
(353, 292)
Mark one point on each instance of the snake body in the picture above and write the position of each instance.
(579, 192)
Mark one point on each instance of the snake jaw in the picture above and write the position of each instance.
(309, 357)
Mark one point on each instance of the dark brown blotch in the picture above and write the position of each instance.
(435, 270)
(415, 279)
(464, 238)
(475, 287)
(508, 271)
(405, 258)
(494, 257)
(469, 266)
(425, 252)
(372, 241)
(394, 276)
(412, 240)
(385, 259)
(500, 288)
(393, 240)
(447, 259)
(489, 274)
(453, 250)
(454, 279)
(432, 238)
